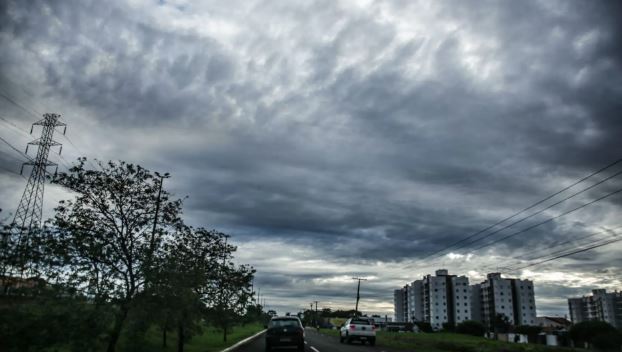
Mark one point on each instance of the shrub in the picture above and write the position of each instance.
(424, 327)
(586, 331)
(471, 327)
(608, 341)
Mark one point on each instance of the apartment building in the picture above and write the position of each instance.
(415, 301)
(400, 304)
(600, 305)
(438, 299)
(444, 298)
(513, 298)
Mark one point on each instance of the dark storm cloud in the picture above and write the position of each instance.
(375, 132)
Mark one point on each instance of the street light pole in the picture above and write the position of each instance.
(358, 293)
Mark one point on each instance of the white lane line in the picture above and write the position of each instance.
(306, 343)
(314, 349)
(246, 340)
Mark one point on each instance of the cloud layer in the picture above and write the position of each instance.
(339, 138)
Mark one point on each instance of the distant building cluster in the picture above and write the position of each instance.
(450, 299)
(600, 306)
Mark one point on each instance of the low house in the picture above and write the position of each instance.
(553, 323)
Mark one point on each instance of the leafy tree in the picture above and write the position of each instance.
(229, 295)
(591, 331)
(53, 316)
(608, 341)
(450, 327)
(501, 323)
(424, 326)
(105, 236)
(471, 327)
(189, 268)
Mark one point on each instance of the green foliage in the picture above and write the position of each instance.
(529, 330)
(122, 264)
(424, 327)
(471, 327)
(593, 332)
(501, 323)
(51, 318)
(608, 341)
(449, 327)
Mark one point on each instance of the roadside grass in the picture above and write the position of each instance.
(210, 340)
(450, 342)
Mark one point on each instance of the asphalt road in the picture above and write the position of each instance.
(315, 342)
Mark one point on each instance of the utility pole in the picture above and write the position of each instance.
(155, 219)
(358, 293)
(157, 209)
(317, 325)
(30, 209)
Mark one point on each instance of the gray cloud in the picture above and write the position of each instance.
(365, 133)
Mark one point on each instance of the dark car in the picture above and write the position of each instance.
(285, 332)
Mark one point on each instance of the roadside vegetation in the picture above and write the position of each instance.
(116, 268)
(447, 341)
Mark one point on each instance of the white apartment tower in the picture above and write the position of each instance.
(513, 298)
(445, 298)
(600, 305)
(439, 299)
(461, 299)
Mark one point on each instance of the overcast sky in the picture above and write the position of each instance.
(334, 139)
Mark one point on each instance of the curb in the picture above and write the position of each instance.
(245, 341)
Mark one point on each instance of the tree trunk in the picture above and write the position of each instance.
(116, 330)
(180, 337)
(164, 336)
(224, 335)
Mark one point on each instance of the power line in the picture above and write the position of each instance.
(12, 171)
(5, 96)
(13, 125)
(542, 210)
(525, 209)
(576, 251)
(15, 149)
(80, 151)
(543, 253)
(551, 219)
(538, 253)
(36, 114)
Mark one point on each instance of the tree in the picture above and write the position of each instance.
(229, 295)
(591, 332)
(105, 235)
(501, 323)
(190, 265)
(471, 327)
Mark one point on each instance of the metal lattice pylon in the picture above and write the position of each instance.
(30, 210)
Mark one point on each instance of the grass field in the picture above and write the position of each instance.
(209, 340)
(444, 342)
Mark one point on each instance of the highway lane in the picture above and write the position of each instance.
(315, 342)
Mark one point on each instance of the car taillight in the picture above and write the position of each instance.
(352, 327)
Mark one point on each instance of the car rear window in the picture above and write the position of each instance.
(284, 322)
(360, 322)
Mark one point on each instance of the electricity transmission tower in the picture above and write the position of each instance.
(30, 209)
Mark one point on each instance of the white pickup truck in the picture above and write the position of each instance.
(361, 329)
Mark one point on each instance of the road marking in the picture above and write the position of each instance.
(306, 343)
(314, 349)
(246, 340)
